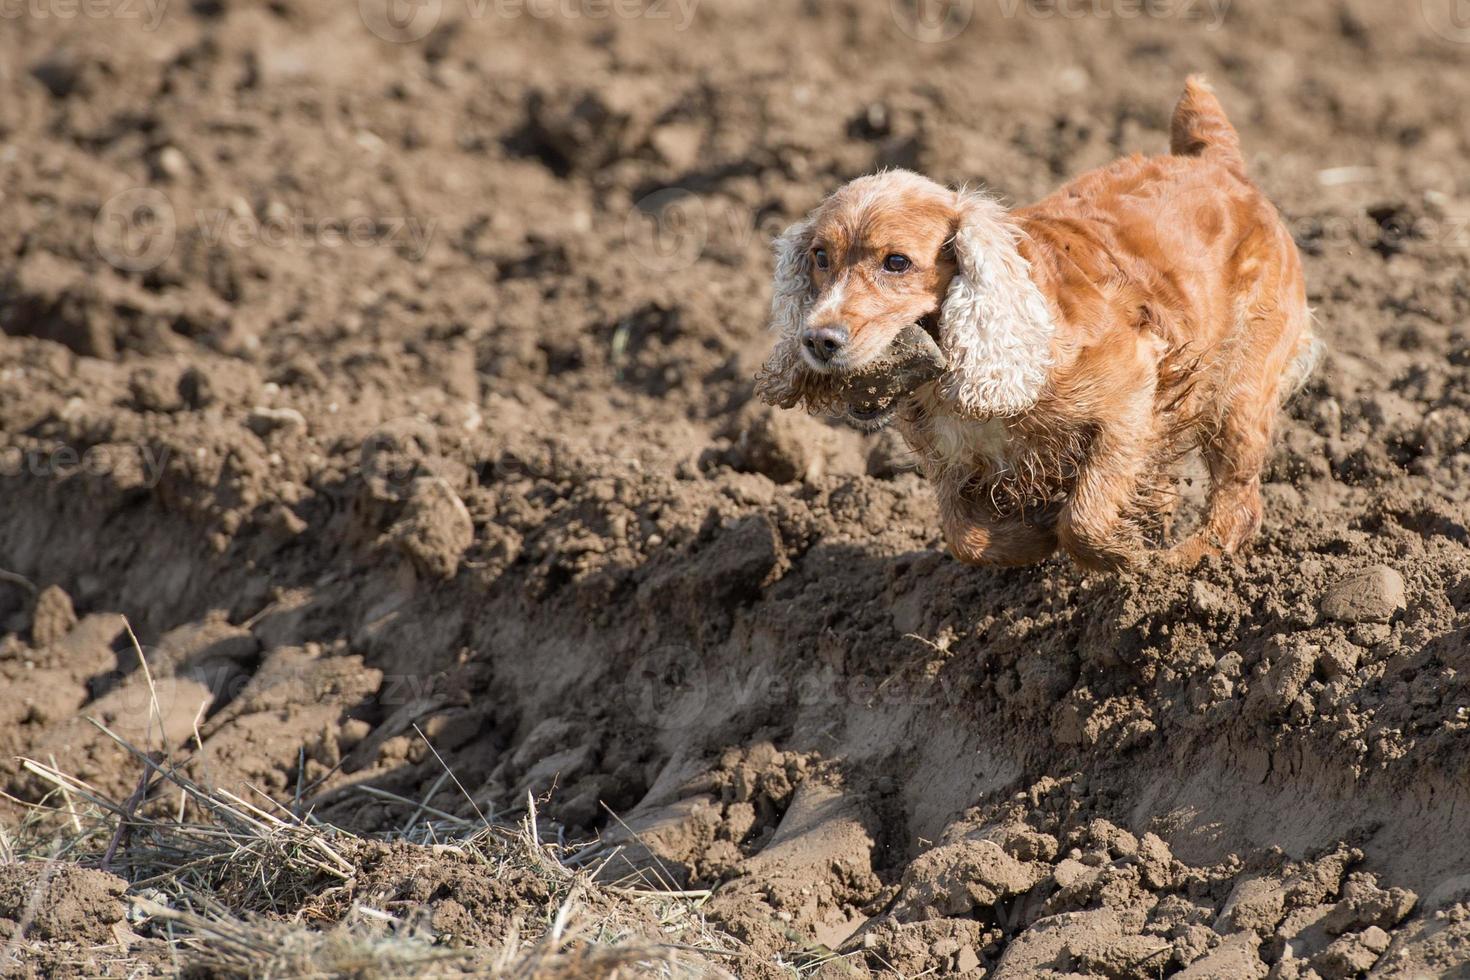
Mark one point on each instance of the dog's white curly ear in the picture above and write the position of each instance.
(780, 381)
(791, 288)
(995, 325)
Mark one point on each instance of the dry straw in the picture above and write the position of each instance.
(224, 882)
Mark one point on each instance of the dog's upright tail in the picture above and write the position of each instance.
(1200, 128)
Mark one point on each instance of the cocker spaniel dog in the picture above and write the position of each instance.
(1049, 364)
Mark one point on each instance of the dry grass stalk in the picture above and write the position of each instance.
(227, 888)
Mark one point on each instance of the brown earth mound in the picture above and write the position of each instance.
(397, 391)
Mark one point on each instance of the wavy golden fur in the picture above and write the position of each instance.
(1151, 307)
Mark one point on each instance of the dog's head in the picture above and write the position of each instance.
(894, 249)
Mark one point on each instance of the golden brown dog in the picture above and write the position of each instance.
(1091, 338)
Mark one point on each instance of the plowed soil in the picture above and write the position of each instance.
(405, 382)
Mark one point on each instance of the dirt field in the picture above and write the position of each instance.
(392, 376)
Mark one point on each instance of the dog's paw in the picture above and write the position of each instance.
(1190, 552)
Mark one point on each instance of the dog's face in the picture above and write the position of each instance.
(880, 259)
(891, 250)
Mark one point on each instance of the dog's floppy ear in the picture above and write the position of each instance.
(995, 325)
(783, 379)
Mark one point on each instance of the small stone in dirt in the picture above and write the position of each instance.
(172, 163)
(1156, 861)
(52, 618)
(263, 421)
(1281, 684)
(353, 731)
(1206, 600)
(1351, 955)
(1191, 942)
(1373, 595)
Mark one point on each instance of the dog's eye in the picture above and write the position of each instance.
(819, 256)
(897, 263)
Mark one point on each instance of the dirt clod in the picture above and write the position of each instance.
(1373, 595)
(52, 617)
(60, 902)
(1351, 955)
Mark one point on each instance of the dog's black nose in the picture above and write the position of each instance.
(825, 343)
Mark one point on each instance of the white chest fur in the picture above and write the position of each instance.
(968, 443)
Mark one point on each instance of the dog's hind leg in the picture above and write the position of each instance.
(1275, 354)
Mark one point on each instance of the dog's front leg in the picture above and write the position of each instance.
(978, 535)
(1099, 524)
